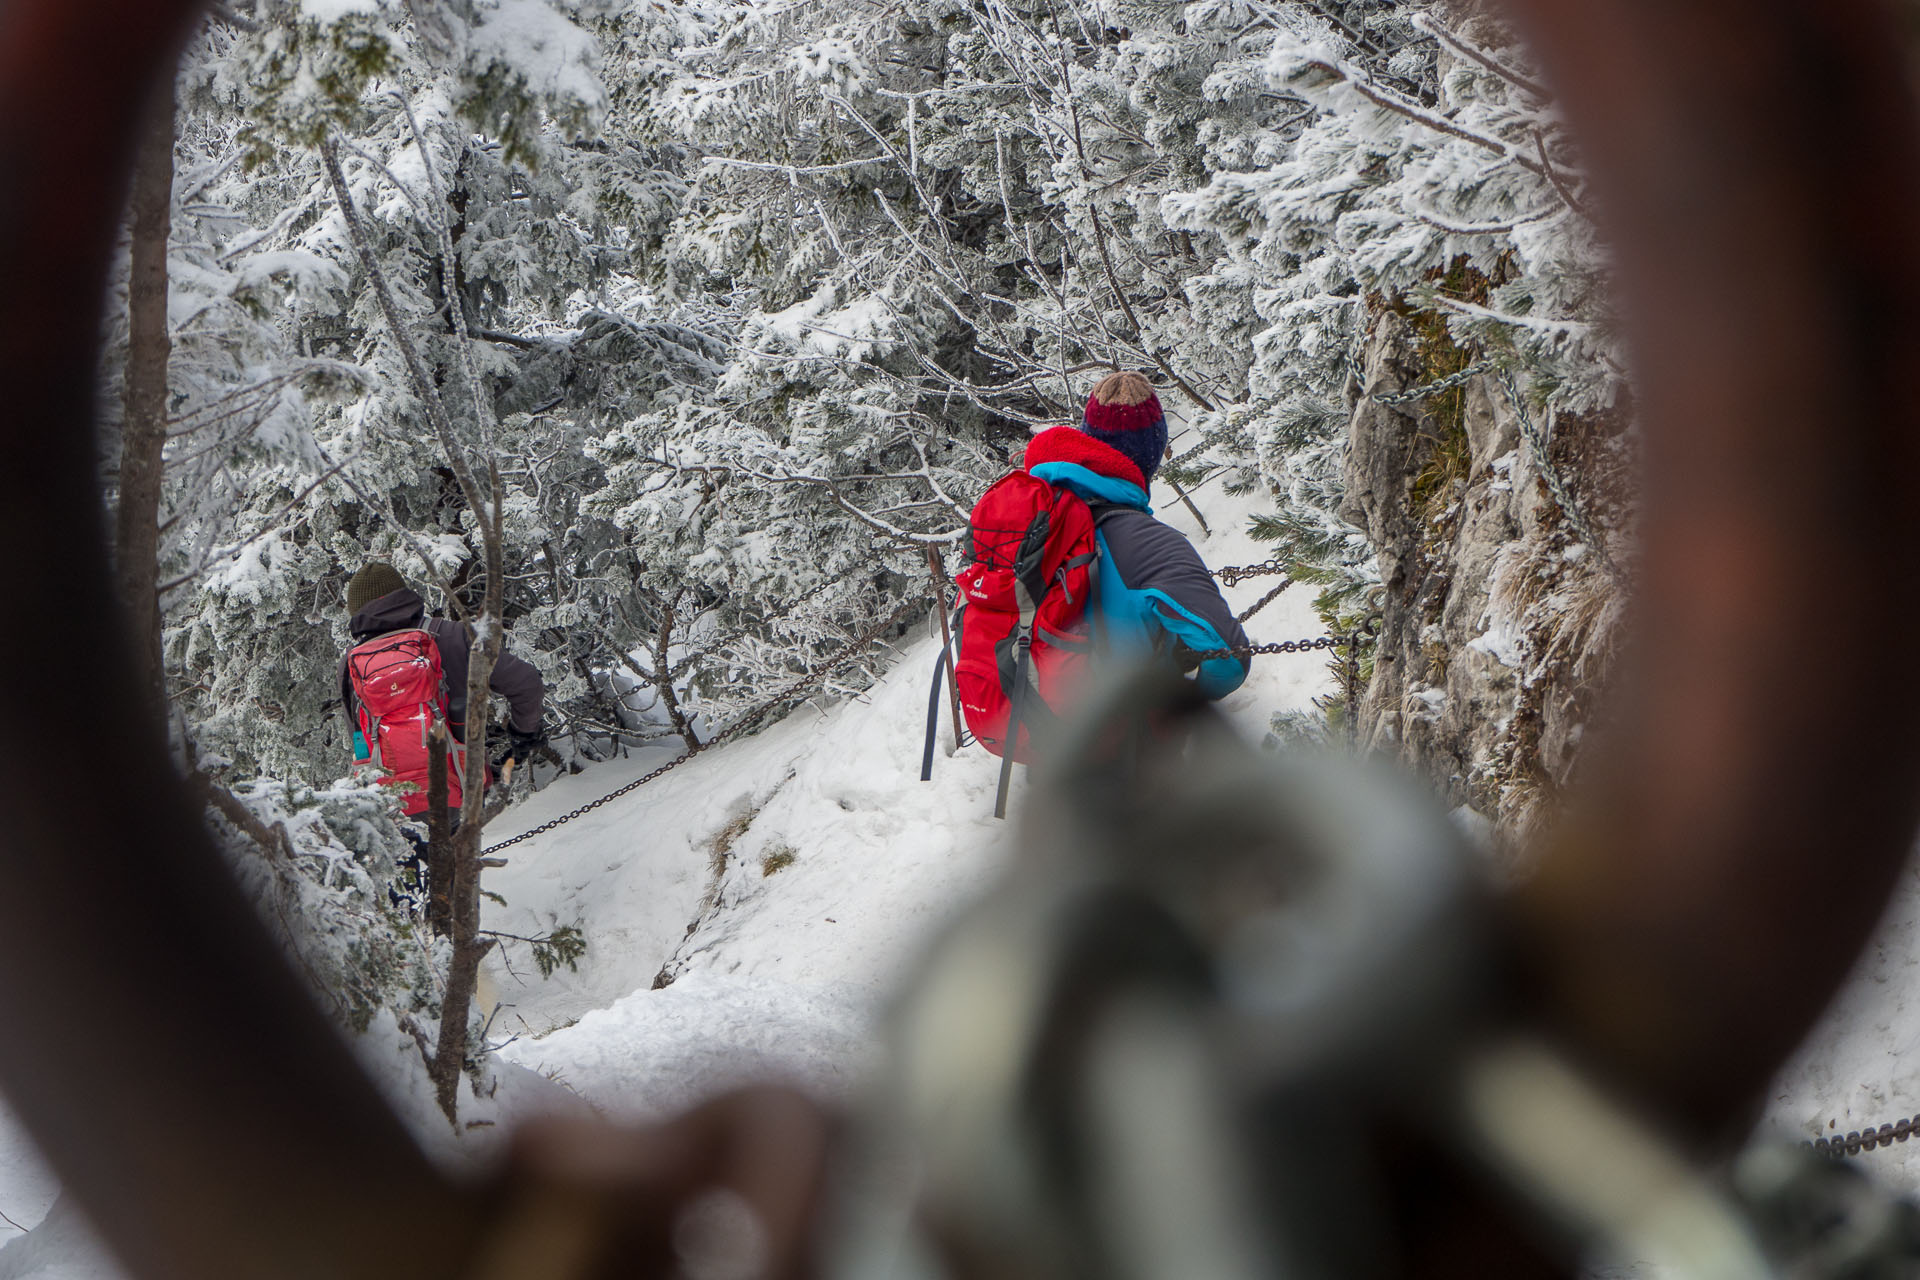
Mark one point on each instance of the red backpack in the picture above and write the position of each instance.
(401, 689)
(1024, 637)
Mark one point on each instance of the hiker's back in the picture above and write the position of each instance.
(1024, 639)
(399, 689)
(1069, 561)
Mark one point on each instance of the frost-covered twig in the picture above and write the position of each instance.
(1538, 324)
(831, 487)
(793, 170)
(1433, 120)
(1440, 223)
(243, 400)
(1438, 30)
(946, 90)
(483, 417)
(1552, 174)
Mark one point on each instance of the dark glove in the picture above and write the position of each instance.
(519, 746)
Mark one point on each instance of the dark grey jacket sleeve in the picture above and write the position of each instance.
(1150, 556)
(519, 682)
(515, 679)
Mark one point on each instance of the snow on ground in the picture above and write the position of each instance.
(27, 1187)
(1860, 1066)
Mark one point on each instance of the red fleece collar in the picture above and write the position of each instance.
(1069, 444)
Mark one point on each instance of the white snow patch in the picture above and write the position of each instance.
(326, 12)
(1502, 644)
(556, 58)
(1503, 468)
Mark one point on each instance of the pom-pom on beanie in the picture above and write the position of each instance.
(374, 580)
(1124, 413)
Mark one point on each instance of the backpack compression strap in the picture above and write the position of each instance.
(1017, 695)
(1014, 653)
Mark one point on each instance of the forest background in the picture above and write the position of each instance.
(671, 342)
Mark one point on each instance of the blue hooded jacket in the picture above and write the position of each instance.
(1153, 589)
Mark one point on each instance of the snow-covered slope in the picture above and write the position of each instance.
(27, 1188)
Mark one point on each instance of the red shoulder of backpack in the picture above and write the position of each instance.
(1024, 635)
(400, 686)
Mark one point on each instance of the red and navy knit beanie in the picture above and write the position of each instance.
(1123, 412)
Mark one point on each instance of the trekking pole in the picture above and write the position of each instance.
(937, 564)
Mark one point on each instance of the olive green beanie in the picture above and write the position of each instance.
(374, 580)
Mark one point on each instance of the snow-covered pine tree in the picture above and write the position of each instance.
(765, 294)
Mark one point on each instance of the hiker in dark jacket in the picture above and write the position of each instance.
(380, 601)
(1154, 594)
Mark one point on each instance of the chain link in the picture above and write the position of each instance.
(1278, 646)
(1435, 387)
(1264, 601)
(1207, 441)
(591, 805)
(1233, 574)
(1563, 495)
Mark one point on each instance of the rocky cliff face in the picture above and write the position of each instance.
(1497, 609)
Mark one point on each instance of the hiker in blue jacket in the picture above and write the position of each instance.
(1154, 594)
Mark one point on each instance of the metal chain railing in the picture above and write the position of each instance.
(589, 807)
(1207, 441)
(1263, 602)
(1233, 574)
(1858, 1140)
(1366, 635)
(1563, 495)
(1435, 387)
(852, 651)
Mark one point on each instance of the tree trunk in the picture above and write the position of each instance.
(663, 677)
(469, 947)
(440, 852)
(144, 436)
